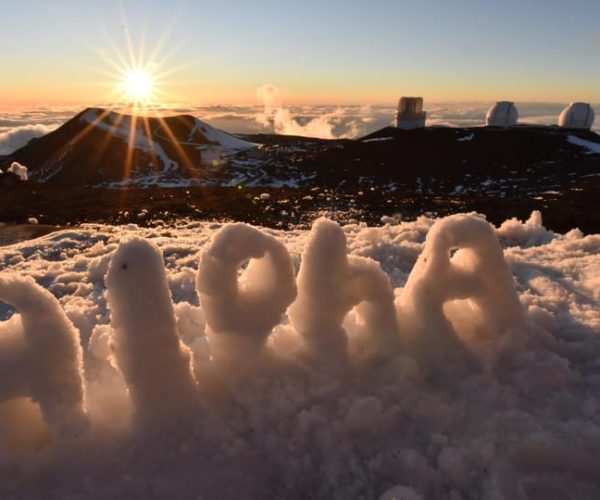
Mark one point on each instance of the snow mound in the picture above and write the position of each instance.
(429, 359)
(528, 233)
(156, 366)
(19, 170)
(41, 356)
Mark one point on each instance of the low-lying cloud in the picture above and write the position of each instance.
(14, 138)
(335, 122)
(338, 123)
(270, 114)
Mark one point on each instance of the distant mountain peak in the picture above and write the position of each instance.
(110, 148)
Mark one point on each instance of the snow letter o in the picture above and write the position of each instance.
(243, 313)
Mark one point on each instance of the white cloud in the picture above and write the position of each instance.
(16, 137)
(271, 114)
(323, 122)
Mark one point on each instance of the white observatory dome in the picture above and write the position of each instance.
(577, 115)
(502, 114)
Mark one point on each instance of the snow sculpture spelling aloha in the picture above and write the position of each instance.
(462, 261)
(156, 366)
(459, 303)
(43, 359)
(330, 284)
(241, 314)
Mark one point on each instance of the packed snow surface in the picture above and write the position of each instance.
(19, 170)
(438, 359)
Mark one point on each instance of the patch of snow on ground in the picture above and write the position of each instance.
(466, 138)
(438, 359)
(19, 170)
(223, 138)
(379, 139)
(592, 147)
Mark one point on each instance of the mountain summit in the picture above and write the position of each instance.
(101, 147)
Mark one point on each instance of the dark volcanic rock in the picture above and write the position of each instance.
(439, 160)
(8, 181)
(502, 172)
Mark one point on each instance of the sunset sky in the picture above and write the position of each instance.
(318, 52)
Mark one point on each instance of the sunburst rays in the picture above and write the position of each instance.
(138, 77)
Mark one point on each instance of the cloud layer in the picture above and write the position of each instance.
(18, 127)
(272, 115)
(16, 137)
(331, 122)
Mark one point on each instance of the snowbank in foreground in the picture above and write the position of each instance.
(408, 361)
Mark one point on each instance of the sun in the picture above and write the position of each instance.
(137, 80)
(138, 75)
(138, 85)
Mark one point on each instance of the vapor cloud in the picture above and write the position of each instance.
(335, 124)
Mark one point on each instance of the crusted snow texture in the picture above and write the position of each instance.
(40, 357)
(488, 389)
(401, 493)
(156, 365)
(530, 233)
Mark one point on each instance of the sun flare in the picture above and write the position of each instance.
(138, 92)
(139, 85)
(137, 76)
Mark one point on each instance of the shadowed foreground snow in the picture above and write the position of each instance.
(434, 359)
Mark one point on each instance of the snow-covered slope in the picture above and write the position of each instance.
(222, 138)
(105, 148)
(120, 125)
(482, 383)
(592, 147)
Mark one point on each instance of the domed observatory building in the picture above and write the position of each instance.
(410, 113)
(579, 115)
(502, 114)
